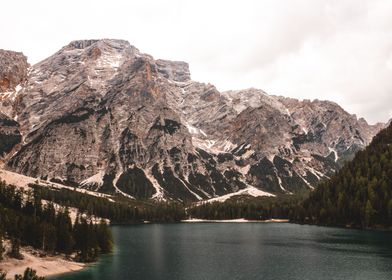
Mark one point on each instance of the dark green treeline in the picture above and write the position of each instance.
(26, 221)
(122, 211)
(359, 195)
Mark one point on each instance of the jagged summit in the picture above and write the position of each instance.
(82, 44)
(252, 97)
(13, 69)
(99, 114)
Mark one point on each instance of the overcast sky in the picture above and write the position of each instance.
(340, 50)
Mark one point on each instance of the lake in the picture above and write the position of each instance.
(242, 251)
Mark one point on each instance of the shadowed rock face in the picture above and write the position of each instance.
(102, 115)
(9, 135)
(13, 73)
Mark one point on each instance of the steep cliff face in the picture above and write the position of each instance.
(10, 135)
(100, 114)
(13, 75)
(278, 144)
(96, 113)
(13, 70)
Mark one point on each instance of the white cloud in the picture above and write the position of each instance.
(325, 49)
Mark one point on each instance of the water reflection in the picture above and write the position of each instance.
(243, 251)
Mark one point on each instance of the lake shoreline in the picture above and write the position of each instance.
(44, 266)
(234, 250)
(242, 220)
(377, 229)
(201, 221)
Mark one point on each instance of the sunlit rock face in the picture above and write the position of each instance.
(100, 114)
(13, 70)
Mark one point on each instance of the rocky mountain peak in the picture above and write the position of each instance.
(100, 114)
(177, 71)
(80, 44)
(252, 97)
(83, 44)
(13, 69)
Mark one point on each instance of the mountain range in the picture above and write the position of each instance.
(101, 115)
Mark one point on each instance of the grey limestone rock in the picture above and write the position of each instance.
(100, 114)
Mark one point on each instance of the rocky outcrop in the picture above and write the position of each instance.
(177, 71)
(278, 144)
(13, 70)
(100, 114)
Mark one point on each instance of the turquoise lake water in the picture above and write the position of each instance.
(242, 251)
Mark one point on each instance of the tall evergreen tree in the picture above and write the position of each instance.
(65, 240)
(2, 249)
(48, 228)
(15, 249)
(29, 274)
(105, 238)
(3, 275)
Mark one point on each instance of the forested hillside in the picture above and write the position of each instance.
(26, 221)
(259, 208)
(120, 211)
(359, 195)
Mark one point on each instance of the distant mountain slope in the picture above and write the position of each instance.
(101, 115)
(360, 194)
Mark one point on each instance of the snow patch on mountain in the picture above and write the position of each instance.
(243, 99)
(249, 190)
(198, 197)
(280, 182)
(335, 153)
(159, 193)
(117, 189)
(194, 130)
(95, 180)
(243, 170)
(214, 146)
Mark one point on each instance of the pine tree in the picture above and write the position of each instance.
(15, 249)
(2, 249)
(3, 275)
(29, 274)
(369, 211)
(17, 199)
(105, 238)
(37, 203)
(390, 209)
(65, 240)
(48, 236)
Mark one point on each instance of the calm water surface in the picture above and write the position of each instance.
(242, 251)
